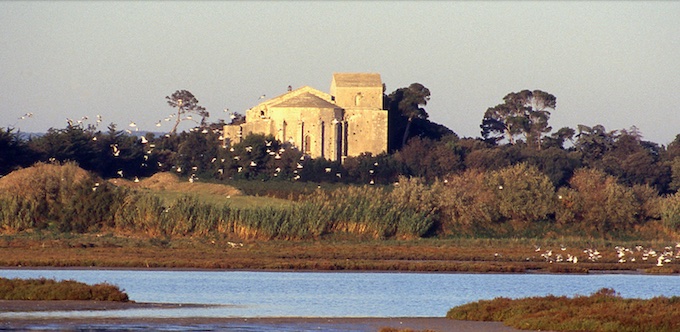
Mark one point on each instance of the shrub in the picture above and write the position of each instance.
(670, 211)
(464, 200)
(597, 199)
(65, 196)
(604, 310)
(50, 289)
(523, 193)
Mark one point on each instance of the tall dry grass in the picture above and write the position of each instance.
(64, 197)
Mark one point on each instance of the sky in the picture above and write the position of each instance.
(611, 63)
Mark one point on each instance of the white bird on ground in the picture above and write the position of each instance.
(659, 261)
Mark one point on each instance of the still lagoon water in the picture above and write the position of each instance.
(331, 294)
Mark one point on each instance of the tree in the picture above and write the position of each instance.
(70, 144)
(522, 113)
(594, 142)
(14, 152)
(557, 139)
(185, 102)
(408, 103)
(429, 159)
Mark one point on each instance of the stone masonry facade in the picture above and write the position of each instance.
(345, 123)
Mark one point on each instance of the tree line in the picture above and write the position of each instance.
(514, 132)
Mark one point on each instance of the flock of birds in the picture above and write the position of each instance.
(622, 254)
(84, 122)
(276, 154)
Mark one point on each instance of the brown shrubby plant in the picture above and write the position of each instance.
(523, 193)
(670, 211)
(604, 310)
(598, 200)
(50, 289)
(465, 201)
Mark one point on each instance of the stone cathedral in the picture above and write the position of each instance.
(347, 122)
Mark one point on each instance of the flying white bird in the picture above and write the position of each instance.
(116, 151)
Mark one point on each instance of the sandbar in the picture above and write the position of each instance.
(212, 323)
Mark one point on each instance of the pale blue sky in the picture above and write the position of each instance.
(610, 63)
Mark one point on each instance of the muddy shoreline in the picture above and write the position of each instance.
(265, 323)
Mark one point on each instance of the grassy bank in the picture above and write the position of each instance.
(602, 311)
(50, 289)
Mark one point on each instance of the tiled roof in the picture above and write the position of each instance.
(305, 100)
(357, 79)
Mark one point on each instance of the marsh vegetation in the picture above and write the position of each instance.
(472, 222)
(50, 289)
(602, 311)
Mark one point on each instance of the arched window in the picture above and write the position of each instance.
(357, 99)
(308, 144)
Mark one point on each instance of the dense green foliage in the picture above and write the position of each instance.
(50, 289)
(602, 311)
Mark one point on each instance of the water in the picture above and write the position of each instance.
(326, 294)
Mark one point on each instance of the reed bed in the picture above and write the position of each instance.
(66, 198)
(50, 289)
(603, 311)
